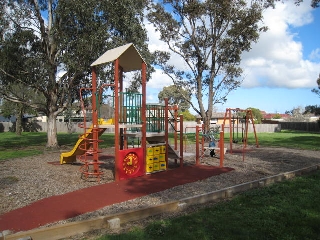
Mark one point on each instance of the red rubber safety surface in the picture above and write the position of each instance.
(85, 200)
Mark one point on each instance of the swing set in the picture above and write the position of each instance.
(211, 142)
(235, 119)
(235, 116)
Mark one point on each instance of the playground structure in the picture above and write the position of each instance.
(141, 130)
(210, 142)
(214, 137)
(232, 115)
(133, 119)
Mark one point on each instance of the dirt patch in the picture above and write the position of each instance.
(26, 180)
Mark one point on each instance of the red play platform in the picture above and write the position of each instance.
(69, 205)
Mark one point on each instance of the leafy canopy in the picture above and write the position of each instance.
(176, 96)
(207, 38)
(48, 46)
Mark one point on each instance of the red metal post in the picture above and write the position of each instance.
(116, 119)
(181, 140)
(230, 128)
(95, 127)
(186, 140)
(143, 113)
(254, 129)
(166, 128)
(245, 140)
(175, 111)
(202, 138)
(175, 133)
(221, 143)
(197, 145)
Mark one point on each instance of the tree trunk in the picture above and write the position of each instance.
(52, 131)
(52, 109)
(206, 123)
(70, 126)
(19, 122)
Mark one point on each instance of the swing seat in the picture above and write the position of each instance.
(212, 151)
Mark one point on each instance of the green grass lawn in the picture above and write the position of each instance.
(288, 139)
(33, 143)
(286, 210)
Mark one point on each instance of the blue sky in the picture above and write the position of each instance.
(279, 71)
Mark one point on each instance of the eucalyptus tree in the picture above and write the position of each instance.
(315, 90)
(10, 109)
(17, 109)
(314, 3)
(256, 114)
(207, 37)
(315, 109)
(176, 96)
(48, 46)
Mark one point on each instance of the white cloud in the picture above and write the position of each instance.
(276, 60)
(315, 54)
(156, 84)
(156, 44)
(159, 80)
(294, 15)
(154, 38)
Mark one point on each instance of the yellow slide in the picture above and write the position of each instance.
(70, 157)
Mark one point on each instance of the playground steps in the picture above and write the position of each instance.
(173, 153)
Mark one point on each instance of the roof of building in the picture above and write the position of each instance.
(271, 115)
(214, 115)
(5, 119)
